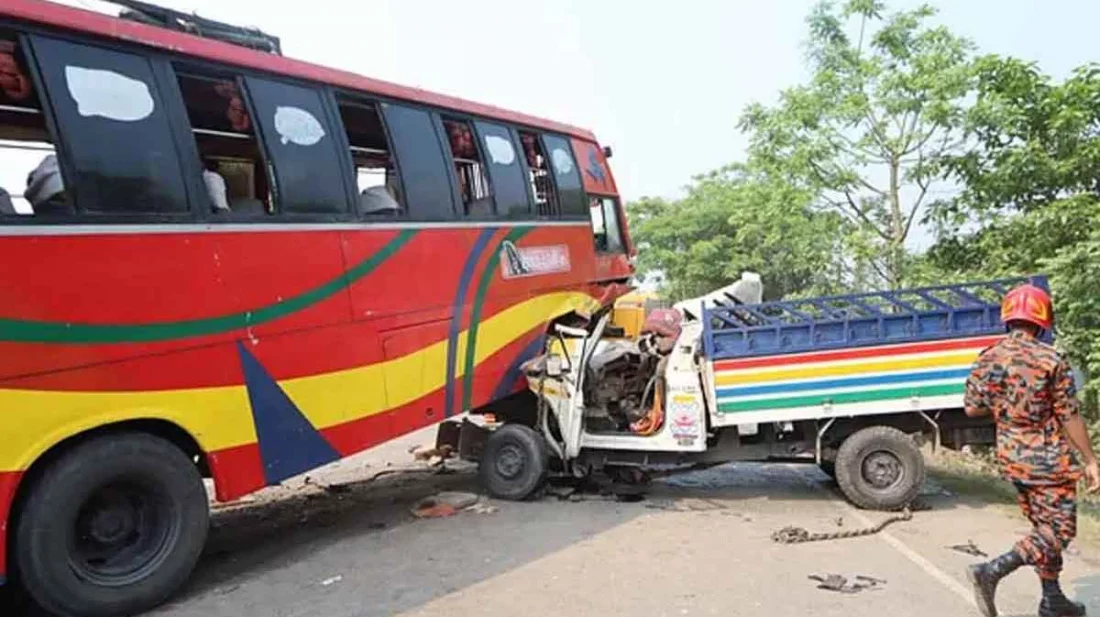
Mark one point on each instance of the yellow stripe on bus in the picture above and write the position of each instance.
(830, 370)
(221, 417)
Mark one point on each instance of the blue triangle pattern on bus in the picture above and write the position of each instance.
(289, 444)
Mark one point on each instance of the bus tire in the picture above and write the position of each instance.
(112, 527)
(514, 462)
(879, 468)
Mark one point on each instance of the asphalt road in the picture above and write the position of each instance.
(696, 545)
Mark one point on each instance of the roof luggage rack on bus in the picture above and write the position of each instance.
(154, 15)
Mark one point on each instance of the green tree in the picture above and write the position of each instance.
(885, 102)
(733, 220)
(1030, 195)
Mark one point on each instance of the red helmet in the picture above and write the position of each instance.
(1028, 303)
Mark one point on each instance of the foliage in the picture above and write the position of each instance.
(1030, 195)
(864, 135)
(734, 220)
(1032, 142)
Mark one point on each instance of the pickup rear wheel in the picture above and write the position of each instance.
(879, 468)
(514, 462)
(112, 527)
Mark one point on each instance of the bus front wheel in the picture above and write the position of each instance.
(112, 527)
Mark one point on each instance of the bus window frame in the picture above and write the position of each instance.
(452, 171)
(199, 68)
(81, 215)
(188, 154)
(517, 147)
(271, 164)
(363, 99)
(22, 39)
(562, 215)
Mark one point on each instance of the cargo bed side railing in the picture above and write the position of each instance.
(875, 318)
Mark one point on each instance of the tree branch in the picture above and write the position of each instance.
(850, 206)
(923, 183)
(878, 269)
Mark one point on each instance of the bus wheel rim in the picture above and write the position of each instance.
(122, 533)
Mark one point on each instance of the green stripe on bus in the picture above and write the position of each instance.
(487, 276)
(862, 396)
(28, 331)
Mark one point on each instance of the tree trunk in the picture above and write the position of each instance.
(897, 227)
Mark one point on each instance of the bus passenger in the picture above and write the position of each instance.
(46, 188)
(215, 185)
(6, 205)
(378, 200)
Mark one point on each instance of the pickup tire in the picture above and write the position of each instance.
(113, 526)
(879, 468)
(514, 462)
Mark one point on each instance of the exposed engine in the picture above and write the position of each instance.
(623, 387)
(615, 384)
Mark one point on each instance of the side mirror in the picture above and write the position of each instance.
(607, 152)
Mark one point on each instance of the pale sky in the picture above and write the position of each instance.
(662, 82)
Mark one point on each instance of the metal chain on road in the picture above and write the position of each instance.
(798, 535)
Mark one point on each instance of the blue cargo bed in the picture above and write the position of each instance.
(857, 320)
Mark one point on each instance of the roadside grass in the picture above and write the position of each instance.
(975, 475)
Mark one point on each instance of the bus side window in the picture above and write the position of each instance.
(542, 186)
(234, 173)
(428, 193)
(376, 179)
(606, 230)
(504, 170)
(28, 169)
(566, 176)
(116, 131)
(299, 140)
(473, 184)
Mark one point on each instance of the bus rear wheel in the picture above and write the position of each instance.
(112, 527)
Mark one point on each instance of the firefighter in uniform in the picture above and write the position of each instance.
(1028, 388)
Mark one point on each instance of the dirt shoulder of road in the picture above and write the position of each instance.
(976, 476)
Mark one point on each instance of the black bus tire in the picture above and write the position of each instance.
(879, 468)
(112, 527)
(514, 462)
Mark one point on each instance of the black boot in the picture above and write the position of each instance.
(1056, 604)
(985, 576)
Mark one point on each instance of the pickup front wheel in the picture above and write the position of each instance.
(879, 468)
(514, 462)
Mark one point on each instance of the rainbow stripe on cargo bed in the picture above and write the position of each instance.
(857, 375)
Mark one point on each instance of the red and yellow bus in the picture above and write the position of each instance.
(222, 262)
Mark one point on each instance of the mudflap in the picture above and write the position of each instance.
(466, 439)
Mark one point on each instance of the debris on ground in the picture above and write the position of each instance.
(840, 584)
(443, 453)
(444, 504)
(969, 548)
(332, 580)
(481, 508)
(337, 489)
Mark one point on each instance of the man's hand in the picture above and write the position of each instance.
(1092, 476)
